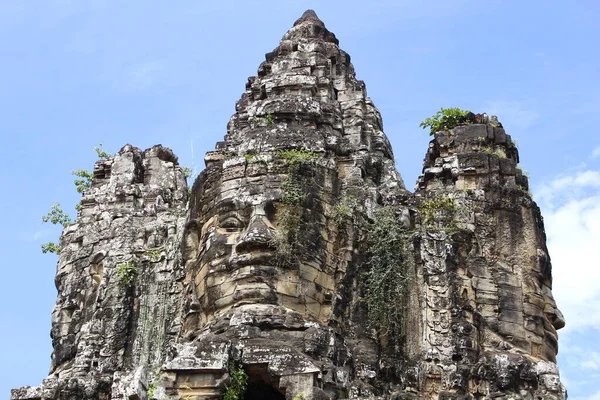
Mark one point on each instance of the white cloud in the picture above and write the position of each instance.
(513, 112)
(595, 396)
(596, 152)
(570, 205)
(567, 187)
(571, 209)
(37, 235)
(144, 75)
(590, 364)
(41, 234)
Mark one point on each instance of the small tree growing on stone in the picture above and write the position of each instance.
(55, 216)
(445, 119)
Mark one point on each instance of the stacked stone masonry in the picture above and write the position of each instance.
(264, 266)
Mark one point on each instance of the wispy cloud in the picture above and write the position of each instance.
(570, 204)
(38, 235)
(596, 152)
(144, 75)
(595, 396)
(566, 187)
(571, 208)
(513, 112)
(590, 364)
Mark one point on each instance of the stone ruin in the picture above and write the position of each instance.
(300, 265)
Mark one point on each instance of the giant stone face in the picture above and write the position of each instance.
(250, 244)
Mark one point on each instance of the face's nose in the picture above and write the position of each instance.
(551, 310)
(259, 233)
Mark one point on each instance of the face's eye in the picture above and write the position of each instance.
(270, 210)
(231, 224)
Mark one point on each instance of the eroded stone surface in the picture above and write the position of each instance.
(134, 211)
(489, 317)
(266, 266)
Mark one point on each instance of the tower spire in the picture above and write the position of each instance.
(309, 15)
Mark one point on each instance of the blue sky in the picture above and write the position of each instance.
(75, 73)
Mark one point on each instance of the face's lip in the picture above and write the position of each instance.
(552, 338)
(266, 258)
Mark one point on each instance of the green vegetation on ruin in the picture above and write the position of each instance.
(295, 157)
(523, 171)
(86, 182)
(154, 254)
(431, 208)
(497, 152)
(344, 212)
(153, 384)
(268, 119)
(101, 153)
(250, 156)
(294, 193)
(445, 119)
(388, 272)
(51, 247)
(126, 273)
(187, 172)
(55, 216)
(238, 382)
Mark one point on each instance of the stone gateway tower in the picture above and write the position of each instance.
(299, 266)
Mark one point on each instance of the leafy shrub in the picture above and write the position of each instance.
(51, 247)
(86, 182)
(498, 152)
(388, 262)
(429, 208)
(344, 212)
(294, 157)
(250, 155)
(187, 172)
(126, 273)
(294, 192)
(445, 119)
(239, 382)
(268, 119)
(153, 384)
(154, 254)
(101, 153)
(57, 216)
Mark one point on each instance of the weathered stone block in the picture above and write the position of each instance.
(268, 271)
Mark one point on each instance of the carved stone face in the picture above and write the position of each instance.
(542, 316)
(240, 233)
(525, 316)
(552, 316)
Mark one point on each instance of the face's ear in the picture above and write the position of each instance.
(270, 210)
(191, 240)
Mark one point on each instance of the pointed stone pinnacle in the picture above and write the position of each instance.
(309, 15)
(309, 26)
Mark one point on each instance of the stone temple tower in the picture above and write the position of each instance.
(299, 266)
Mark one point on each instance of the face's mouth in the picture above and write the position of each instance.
(551, 338)
(265, 258)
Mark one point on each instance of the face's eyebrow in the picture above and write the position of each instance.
(227, 205)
